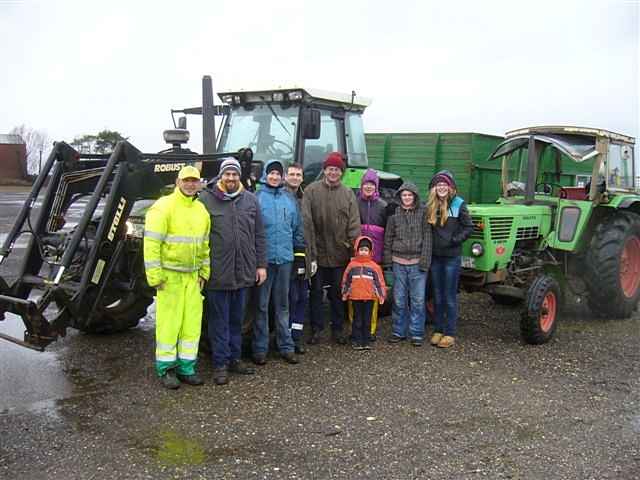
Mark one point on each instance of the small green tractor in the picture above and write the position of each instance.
(551, 235)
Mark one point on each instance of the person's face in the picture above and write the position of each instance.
(274, 178)
(333, 174)
(406, 197)
(189, 186)
(442, 190)
(294, 178)
(363, 251)
(368, 189)
(230, 180)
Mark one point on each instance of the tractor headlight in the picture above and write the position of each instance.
(477, 249)
(135, 229)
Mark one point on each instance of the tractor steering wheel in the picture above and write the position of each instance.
(276, 152)
(548, 189)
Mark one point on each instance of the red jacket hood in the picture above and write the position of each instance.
(356, 244)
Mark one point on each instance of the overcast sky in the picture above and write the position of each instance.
(72, 68)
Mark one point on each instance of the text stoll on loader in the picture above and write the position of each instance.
(90, 275)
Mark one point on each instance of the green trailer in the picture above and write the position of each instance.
(418, 156)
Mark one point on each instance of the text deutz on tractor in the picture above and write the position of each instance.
(548, 236)
(88, 273)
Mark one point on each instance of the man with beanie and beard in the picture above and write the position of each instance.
(331, 225)
(283, 230)
(238, 262)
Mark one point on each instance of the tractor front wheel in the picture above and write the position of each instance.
(539, 319)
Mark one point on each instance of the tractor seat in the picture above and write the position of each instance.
(576, 193)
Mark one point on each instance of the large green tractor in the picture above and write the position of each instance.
(553, 234)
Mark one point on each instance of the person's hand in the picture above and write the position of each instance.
(344, 298)
(314, 268)
(160, 286)
(261, 275)
(202, 282)
(382, 301)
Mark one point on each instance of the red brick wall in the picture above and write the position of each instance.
(12, 161)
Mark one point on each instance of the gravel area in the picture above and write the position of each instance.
(490, 407)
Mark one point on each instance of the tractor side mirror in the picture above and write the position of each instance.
(311, 123)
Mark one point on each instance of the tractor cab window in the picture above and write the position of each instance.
(316, 150)
(516, 172)
(269, 132)
(356, 145)
(620, 174)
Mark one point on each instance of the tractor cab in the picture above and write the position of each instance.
(300, 125)
(572, 163)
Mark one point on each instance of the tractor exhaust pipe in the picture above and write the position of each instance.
(208, 117)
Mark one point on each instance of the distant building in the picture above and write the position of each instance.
(13, 158)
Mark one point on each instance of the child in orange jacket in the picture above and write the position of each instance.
(362, 283)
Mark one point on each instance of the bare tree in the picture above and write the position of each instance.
(37, 145)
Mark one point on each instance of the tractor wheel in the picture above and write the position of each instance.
(539, 319)
(613, 266)
(120, 311)
(505, 300)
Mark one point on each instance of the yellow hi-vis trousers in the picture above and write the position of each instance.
(374, 315)
(178, 323)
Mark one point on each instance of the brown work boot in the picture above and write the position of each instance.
(435, 338)
(290, 357)
(220, 376)
(446, 342)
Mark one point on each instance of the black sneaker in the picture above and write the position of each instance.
(290, 357)
(299, 348)
(236, 366)
(339, 338)
(366, 347)
(314, 338)
(373, 337)
(260, 359)
(169, 380)
(416, 342)
(194, 379)
(220, 376)
(395, 339)
(357, 346)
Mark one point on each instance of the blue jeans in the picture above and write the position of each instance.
(225, 312)
(298, 299)
(333, 277)
(276, 284)
(409, 285)
(445, 273)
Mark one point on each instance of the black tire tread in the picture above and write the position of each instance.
(606, 298)
(530, 320)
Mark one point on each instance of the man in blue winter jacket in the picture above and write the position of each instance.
(283, 230)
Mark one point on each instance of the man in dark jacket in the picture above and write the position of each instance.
(331, 225)
(238, 258)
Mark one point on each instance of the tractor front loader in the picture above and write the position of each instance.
(90, 275)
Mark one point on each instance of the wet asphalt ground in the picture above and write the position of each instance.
(490, 407)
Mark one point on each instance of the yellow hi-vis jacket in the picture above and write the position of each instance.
(176, 237)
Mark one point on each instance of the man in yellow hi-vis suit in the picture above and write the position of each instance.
(176, 260)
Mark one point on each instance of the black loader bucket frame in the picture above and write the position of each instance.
(73, 268)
